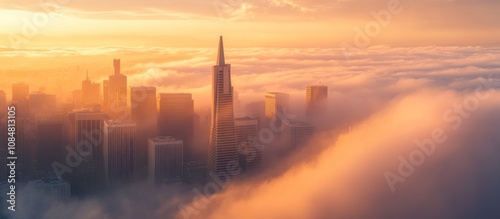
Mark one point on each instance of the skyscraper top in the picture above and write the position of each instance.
(116, 65)
(220, 54)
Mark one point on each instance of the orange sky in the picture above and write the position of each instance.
(51, 44)
(250, 23)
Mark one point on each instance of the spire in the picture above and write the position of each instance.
(87, 75)
(220, 54)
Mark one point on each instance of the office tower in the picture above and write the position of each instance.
(118, 152)
(90, 93)
(49, 140)
(195, 172)
(250, 151)
(41, 103)
(222, 152)
(316, 97)
(142, 101)
(41, 190)
(86, 135)
(165, 160)
(52, 188)
(297, 134)
(20, 95)
(105, 99)
(117, 93)
(77, 99)
(276, 104)
(176, 119)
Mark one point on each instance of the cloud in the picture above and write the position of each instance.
(389, 97)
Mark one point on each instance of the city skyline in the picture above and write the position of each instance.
(263, 109)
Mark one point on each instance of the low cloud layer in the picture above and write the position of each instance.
(391, 99)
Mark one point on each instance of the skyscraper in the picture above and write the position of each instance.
(222, 153)
(20, 95)
(142, 101)
(90, 92)
(85, 134)
(176, 119)
(250, 152)
(117, 93)
(118, 151)
(49, 139)
(316, 97)
(41, 103)
(165, 160)
(276, 103)
(297, 134)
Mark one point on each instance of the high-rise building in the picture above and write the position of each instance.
(165, 160)
(142, 101)
(116, 93)
(316, 97)
(41, 190)
(176, 119)
(105, 96)
(195, 172)
(297, 133)
(77, 99)
(49, 139)
(250, 152)
(276, 103)
(86, 135)
(222, 152)
(91, 95)
(118, 151)
(20, 95)
(41, 103)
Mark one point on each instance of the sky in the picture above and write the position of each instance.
(251, 23)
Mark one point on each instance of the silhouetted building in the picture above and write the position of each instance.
(20, 95)
(86, 138)
(316, 100)
(297, 133)
(250, 151)
(222, 148)
(77, 99)
(40, 103)
(91, 94)
(176, 119)
(49, 139)
(142, 101)
(118, 152)
(116, 98)
(195, 172)
(165, 160)
(105, 95)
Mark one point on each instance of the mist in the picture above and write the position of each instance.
(366, 159)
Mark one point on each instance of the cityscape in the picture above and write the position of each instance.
(112, 134)
(259, 109)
